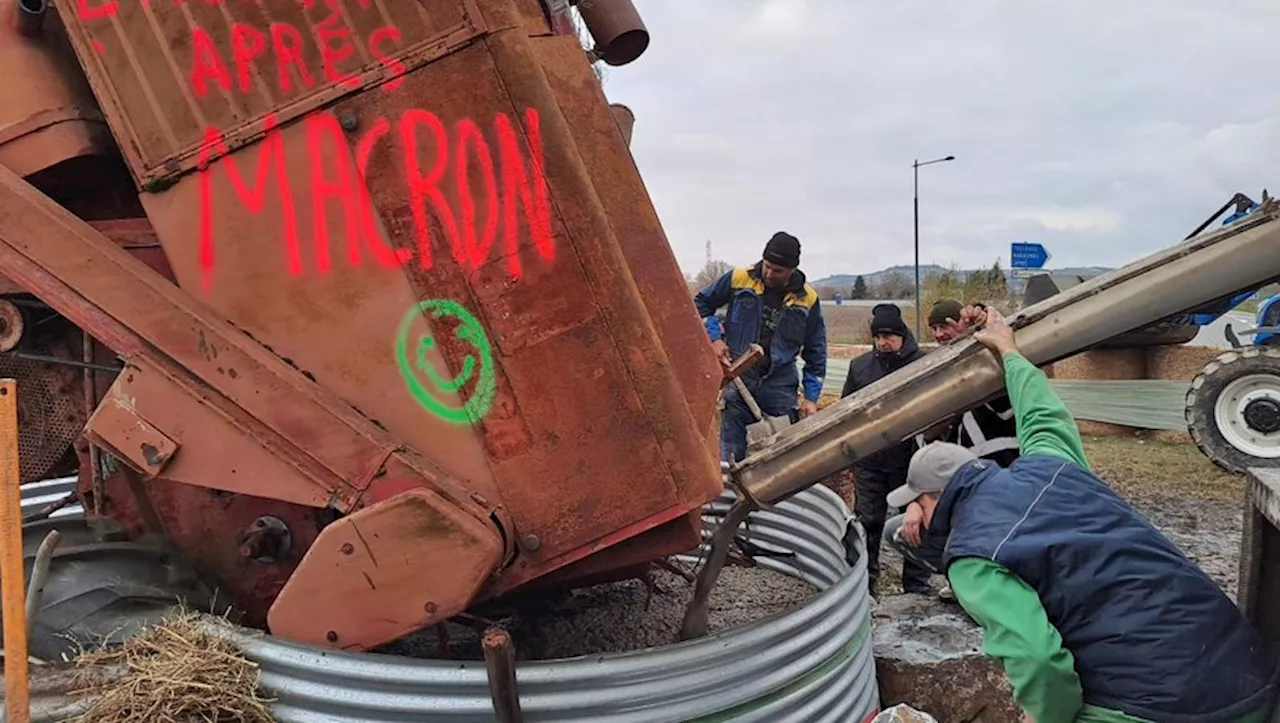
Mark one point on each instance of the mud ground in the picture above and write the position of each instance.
(618, 616)
(1196, 504)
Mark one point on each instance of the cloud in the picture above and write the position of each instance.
(1104, 130)
(784, 21)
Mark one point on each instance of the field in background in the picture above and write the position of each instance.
(851, 324)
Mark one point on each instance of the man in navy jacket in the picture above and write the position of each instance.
(771, 305)
(1096, 616)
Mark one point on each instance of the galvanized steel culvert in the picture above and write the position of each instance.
(811, 663)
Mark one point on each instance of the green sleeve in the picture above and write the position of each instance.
(1017, 632)
(1044, 424)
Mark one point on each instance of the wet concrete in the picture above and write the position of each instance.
(617, 617)
(928, 655)
(919, 631)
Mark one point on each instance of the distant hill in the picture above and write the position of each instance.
(845, 281)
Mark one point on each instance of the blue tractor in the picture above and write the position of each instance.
(1233, 405)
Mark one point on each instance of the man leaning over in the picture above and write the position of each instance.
(771, 305)
(1096, 616)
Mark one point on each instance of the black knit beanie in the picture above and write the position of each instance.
(887, 318)
(783, 249)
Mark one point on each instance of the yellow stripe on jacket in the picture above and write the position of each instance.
(742, 279)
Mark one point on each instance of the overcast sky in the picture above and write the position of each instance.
(1105, 130)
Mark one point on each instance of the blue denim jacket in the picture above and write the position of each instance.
(801, 332)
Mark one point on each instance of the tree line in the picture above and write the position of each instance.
(988, 285)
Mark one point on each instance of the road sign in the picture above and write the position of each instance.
(1028, 255)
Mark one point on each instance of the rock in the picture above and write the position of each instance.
(903, 714)
(929, 656)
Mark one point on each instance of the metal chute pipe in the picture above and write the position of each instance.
(616, 27)
(960, 376)
(29, 19)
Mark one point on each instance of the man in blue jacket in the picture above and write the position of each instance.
(771, 305)
(1096, 616)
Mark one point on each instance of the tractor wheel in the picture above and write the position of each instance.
(101, 588)
(1233, 409)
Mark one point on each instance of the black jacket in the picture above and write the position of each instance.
(990, 431)
(869, 368)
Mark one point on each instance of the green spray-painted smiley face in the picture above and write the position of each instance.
(426, 384)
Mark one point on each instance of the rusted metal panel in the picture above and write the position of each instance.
(166, 71)
(339, 327)
(131, 309)
(424, 285)
(203, 524)
(613, 293)
(136, 441)
(239, 462)
(603, 144)
(411, 559)
(48, 115)
(534, 17)
(566, 445)
(134, 235)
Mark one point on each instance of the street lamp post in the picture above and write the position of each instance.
(915, 201)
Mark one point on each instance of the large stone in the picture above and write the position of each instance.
(929, 656)
(903, 714)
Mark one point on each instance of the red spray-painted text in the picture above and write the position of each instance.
(430, 156)
(281, 42)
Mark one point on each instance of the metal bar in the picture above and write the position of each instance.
(17, 691)
(500, 662)
(746, 397)
(963, 375)
(695, 620)
(40, 575)
(65, 362)
(47, 511)
(90, 402)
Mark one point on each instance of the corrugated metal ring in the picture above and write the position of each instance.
(811, 663)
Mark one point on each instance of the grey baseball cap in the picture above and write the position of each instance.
(931, 468)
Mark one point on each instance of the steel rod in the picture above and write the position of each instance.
(40, 575)
(500, 662)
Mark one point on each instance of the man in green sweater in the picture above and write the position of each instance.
(1094, 614)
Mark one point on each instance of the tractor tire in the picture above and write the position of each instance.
(101, 588)
(1233, 409)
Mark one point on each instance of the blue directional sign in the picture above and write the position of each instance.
(1027, 255)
